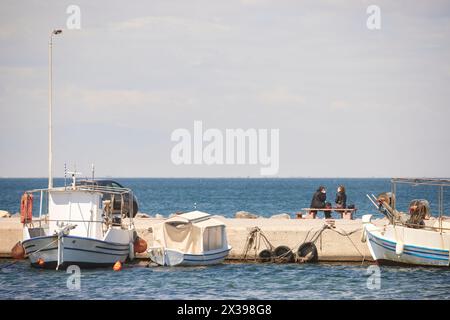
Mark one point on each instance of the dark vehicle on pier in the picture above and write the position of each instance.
(117, 201)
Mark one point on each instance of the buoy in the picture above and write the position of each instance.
(284, 254)
(265, 255)
(399, 248)
(307, 252)
(140, 245)
(26, 208)
(40, 262)
(117, 266)
(363, 235)
(18, 252)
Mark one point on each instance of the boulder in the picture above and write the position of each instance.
(5, 214)
(245, 215)
(142, 215)
(281, 216)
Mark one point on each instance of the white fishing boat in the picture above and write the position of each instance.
(84, 225)
(413, 238)
(190, 239)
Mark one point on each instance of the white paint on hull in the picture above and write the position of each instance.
(76, 250)
(170, 257)
(419, 246)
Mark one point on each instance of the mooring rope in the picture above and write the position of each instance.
(348, 234)
(34, 252)
(255, 235)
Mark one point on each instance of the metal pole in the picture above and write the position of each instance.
(50, 94)
(50, 155)
(441, 210)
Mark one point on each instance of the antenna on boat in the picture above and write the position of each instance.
(65, 176)
(74, 179)
(93, 171)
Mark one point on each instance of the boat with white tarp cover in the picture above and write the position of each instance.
(193, 238)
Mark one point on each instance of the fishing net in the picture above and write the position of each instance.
(419, 210)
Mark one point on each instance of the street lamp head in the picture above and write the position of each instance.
(57, 31)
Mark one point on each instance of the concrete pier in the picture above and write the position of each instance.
(339, 244)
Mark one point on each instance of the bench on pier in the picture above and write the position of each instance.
(311, 213)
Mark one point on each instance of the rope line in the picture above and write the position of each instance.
(256, 237)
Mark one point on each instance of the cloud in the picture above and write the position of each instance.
(340, 105)
(281, 96)
(125, 98)
(179, 24)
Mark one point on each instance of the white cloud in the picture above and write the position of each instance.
(171, 23)
(281, 97)
(340, 105)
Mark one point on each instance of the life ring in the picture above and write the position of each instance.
(26, 208)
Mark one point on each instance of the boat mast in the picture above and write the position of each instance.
(50, 89)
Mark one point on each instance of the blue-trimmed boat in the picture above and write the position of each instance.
(84, 225)
(412, 238)
(189, 239)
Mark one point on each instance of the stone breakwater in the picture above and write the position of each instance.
(339, 243)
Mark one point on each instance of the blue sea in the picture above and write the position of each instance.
(264, 197)
(222, 196)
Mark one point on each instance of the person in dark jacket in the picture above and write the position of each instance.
(341, 198)
(319, 201)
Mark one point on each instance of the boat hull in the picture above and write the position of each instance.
(85, 252)
(399, 245)
(170, 257)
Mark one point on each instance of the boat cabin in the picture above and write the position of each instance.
(194, 232)
(82, 209)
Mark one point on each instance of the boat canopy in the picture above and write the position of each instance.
(193, 232)
(193, 216)
(79, 207)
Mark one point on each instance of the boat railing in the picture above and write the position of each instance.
(437, 182)
(104, 189)
(419, 226)
(113, 191)
(45, 220)
(92, 188)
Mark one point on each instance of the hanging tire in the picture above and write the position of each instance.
(284, 254)
(265, 255)
(307, 252)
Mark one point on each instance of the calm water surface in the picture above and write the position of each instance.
(227, 281)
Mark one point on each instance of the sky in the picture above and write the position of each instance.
(347, 101)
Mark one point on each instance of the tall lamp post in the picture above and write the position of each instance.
(50, 153)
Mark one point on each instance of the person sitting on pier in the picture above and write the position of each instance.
(341, 198)
(318, 201)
